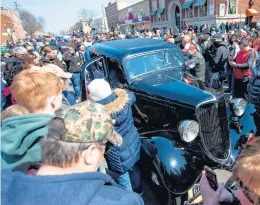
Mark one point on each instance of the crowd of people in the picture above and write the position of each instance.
(54, 145)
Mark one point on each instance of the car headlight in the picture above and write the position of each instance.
(238, 106)
(189, 130)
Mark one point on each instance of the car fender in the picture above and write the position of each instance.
(248, 124)
(176, 168)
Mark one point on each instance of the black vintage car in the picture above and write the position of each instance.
(182, 125)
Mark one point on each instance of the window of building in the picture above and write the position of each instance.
(161, 3)
(154, 4)
(155, 19)
(204, 9)
(232, 4)
(163, 16)
(188, 7)
(189, 12)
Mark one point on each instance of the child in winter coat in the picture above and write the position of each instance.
(121, 159)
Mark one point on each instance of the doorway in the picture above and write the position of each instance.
(174, 14)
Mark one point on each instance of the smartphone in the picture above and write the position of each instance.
(212, 178)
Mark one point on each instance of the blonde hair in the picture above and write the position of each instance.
(31, 89)
(14, 110)
(247, 169)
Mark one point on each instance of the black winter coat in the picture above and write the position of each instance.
(219, 59)
(73, 62)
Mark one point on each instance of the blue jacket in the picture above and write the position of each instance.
(91, 188)
(122, 158)
(87, 54)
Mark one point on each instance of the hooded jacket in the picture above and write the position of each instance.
(220, 58)
(90, 188)
(199, 70)
(122, 158)
(20, 138)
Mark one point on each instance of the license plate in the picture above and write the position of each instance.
(194, 191)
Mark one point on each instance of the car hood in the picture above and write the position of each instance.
(174, 90)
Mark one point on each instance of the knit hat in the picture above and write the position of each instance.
(99, 89)
(86, 122)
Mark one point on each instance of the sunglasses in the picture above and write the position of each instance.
(245, 190)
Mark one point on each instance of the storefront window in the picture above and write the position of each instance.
(204, 9)
(163, 16)
(189, 13)
(154, 4)
(232, 6)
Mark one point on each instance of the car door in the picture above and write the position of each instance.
(93, 69)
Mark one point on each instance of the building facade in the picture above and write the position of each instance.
(99, 25)
(111, 12)
(11, 26)
(135, 17)
(176, 13)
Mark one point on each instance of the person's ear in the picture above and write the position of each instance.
(91, 155)
(53, 102)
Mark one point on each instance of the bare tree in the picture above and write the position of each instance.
(41, 21)
(30, 22)
(87, 15)
(77, 27)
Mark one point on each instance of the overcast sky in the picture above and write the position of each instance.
(58, 14)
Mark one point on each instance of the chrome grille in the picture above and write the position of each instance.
(214, 132)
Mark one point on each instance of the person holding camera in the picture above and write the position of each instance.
(219, 58)
(74, 64)
(246, 174)
(206, 44)
(244, 60)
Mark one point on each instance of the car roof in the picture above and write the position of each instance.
(119, 49)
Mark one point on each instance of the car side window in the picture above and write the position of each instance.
(96, 70)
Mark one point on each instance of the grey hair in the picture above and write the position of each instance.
(60, 153)
(19, 50)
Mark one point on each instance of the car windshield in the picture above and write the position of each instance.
(139, 66)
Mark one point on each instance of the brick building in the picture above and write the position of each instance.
(111, 15)
(135, 17)
(173, 13)
(11, 25)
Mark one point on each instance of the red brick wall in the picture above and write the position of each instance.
(166, 9)
(150, 5)
(243, 4)
(8, 24)
(196, 11)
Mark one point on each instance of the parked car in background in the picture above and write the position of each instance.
(183, 126)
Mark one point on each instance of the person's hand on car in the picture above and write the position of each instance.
(211, 197)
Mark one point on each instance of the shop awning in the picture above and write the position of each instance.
(200, 2)
(251, 12)
(186, 5)
(160, 11)
(153, 12)
(255, 19)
